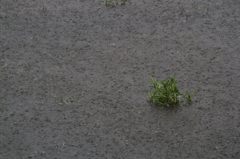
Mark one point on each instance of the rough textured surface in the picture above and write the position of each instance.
(55, 51)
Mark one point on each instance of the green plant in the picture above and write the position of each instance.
(166, 93)
(111, 3)
(67, 102)
(189, 97)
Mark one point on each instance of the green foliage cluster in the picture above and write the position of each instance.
(113, 3)
(166, 93)
(110, 3)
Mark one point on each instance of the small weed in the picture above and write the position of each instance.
(67, 102)
(189, 97)
(166, 93)
(111, 3)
